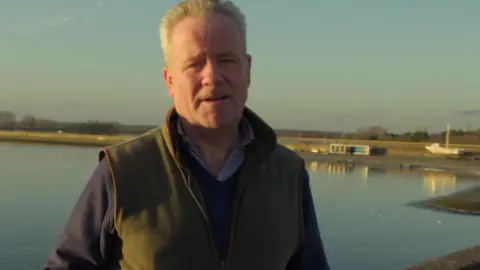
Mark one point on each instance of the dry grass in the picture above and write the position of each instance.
(61, 138)
(463, 201)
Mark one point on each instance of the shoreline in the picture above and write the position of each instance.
(70, 139)
(403, 164)
(464, 259)
(301, 144)
(406, 159)
(400, 155)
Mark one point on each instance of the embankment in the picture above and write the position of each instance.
(466, 259)
(392, 147)
(60, 138)
(306, 145)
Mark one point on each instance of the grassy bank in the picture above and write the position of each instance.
(297, 144)
(394, 148)
(61, 138)
(383, 144)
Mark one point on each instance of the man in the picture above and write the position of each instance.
(211, 189)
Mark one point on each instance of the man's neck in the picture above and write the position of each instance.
(215, 145)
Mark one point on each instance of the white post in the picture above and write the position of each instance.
(447, 135)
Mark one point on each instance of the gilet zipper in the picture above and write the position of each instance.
(232, 230)
(186, 179)
(239, 192)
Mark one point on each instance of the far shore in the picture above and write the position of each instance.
(409, 157)
(72, 139)
(393, 148)
(397, 153)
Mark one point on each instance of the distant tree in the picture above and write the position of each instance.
(7, 120)
(419, 136)
(393, 135)
(47, 124)
(372, 133)
(97, 127)
(453, 133)
(458, 132)
(28, 122)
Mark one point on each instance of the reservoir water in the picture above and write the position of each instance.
(363, 214)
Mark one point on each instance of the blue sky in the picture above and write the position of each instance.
(334, 65)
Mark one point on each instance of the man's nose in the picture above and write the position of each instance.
(212, 73)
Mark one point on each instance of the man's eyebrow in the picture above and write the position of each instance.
(225, 54)
(228, 55)
(194, 57)
(191, 59)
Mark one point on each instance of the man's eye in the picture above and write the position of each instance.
(192, 65)
(227, 60)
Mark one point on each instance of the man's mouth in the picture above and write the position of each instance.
(216, 98)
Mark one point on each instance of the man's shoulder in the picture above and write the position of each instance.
(286, 156)
(133, 146)
(139, 140)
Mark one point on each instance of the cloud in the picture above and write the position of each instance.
(472, 112)
(60, 21)
(35, 26)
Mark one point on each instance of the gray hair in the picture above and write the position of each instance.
(192, 8)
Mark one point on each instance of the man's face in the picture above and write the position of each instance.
(208, 72)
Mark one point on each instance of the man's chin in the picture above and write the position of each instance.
(215, 121)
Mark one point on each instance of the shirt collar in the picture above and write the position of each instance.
(246, 132)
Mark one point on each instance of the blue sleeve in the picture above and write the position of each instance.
(89, 231)
(311, 254)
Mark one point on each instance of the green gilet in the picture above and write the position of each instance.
(160, 214)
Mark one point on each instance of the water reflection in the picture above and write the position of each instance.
(434, 182)
(367, 214)
(439, 183)
(334, 170)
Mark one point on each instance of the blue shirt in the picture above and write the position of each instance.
(234, 160)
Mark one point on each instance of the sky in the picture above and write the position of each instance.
(329, 65)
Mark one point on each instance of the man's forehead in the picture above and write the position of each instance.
(216, 24)
(209, 35)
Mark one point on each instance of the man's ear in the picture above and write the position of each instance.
(168, 81)
(249, 67)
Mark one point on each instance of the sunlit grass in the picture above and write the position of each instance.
(61, 138)
(463, 201)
